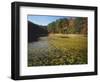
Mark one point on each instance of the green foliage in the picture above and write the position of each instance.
(75, 25)
(58, 25)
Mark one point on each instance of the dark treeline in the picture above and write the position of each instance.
(73, 25)
(35, 31)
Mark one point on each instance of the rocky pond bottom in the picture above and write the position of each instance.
(58, 50)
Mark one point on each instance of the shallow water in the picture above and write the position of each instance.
(41, 43)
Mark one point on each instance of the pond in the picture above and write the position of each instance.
(41, 43)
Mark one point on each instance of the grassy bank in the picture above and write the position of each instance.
(64, 49)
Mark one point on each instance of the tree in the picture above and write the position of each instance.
(73, 25)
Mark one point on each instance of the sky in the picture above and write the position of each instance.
(43, 20)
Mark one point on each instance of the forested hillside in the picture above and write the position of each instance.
(74, 25)
(35, 31)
